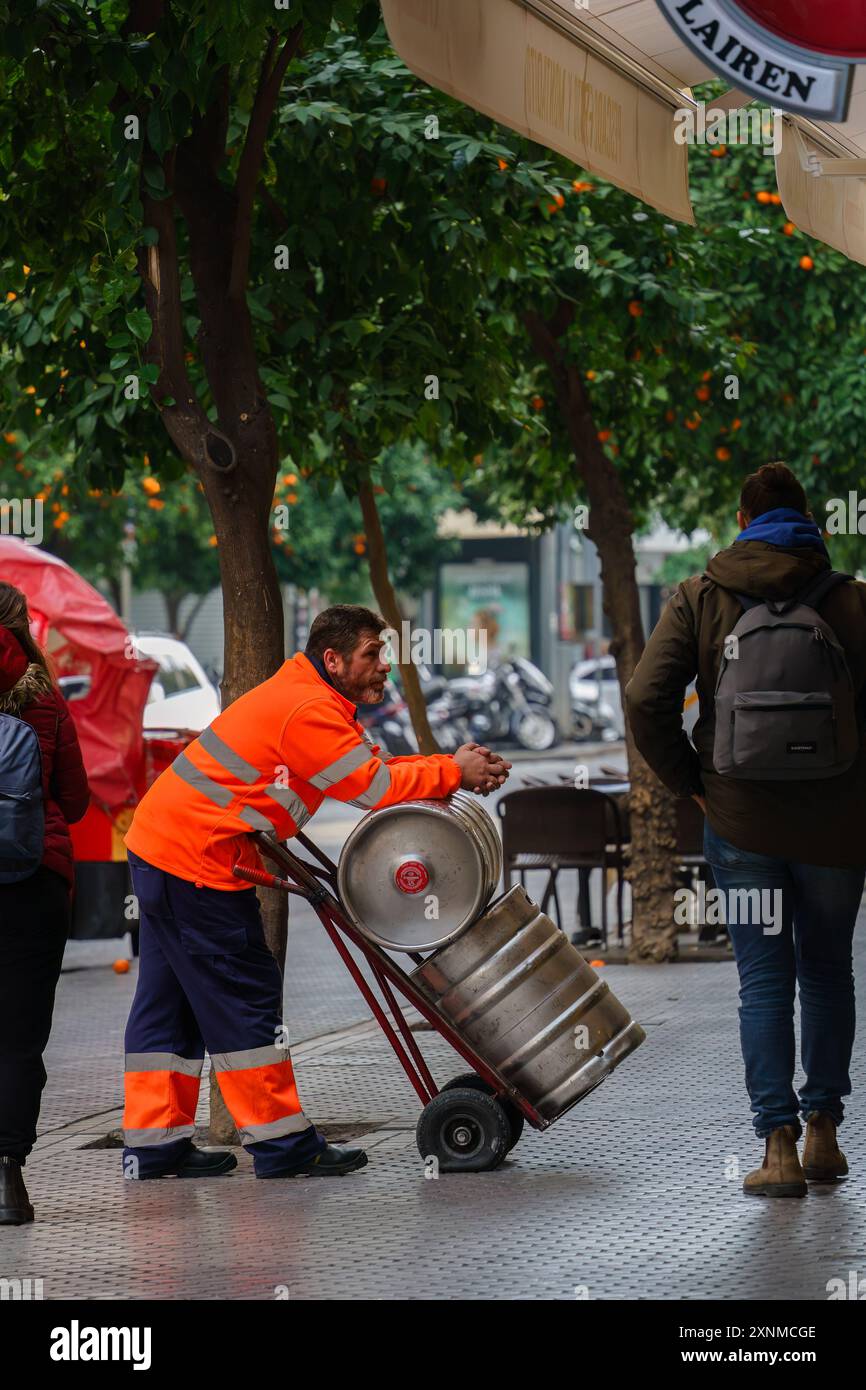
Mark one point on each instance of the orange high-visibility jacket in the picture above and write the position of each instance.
(266, 763)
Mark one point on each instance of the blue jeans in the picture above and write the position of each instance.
(804, 938)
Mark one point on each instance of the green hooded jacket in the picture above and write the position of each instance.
(820, 821)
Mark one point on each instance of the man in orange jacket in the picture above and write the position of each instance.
(206, 977)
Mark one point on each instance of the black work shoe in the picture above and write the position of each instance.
(200, 1163)
(330, 1163)
(15, 1208)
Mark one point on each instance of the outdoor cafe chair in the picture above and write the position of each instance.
(556, 828)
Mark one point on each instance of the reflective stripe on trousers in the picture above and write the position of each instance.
(161, 1094)
(258, 1086)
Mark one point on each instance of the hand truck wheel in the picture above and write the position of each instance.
(474, 1082)
(465, 1130)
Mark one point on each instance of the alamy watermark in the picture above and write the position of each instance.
(22, 516)
(720, 907)
(436, 646)
(744, 125)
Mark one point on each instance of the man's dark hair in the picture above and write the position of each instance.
(342, 627)
(774, 485)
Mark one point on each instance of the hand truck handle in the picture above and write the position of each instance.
(267, 880)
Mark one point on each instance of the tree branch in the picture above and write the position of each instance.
(252, 154)
(198, 441)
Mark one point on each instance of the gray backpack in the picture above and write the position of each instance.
(785, 704)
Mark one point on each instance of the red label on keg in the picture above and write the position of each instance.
(411, 877)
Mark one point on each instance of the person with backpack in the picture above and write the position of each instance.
(43, 788)
(775, 638)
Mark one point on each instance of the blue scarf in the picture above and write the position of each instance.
(787, 527)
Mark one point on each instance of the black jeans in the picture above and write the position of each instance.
(34, 923)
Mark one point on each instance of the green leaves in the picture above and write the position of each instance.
(139, 324)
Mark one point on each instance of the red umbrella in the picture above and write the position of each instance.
(84, 637)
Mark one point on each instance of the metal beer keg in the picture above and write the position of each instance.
(415, 875)
(530, 1005)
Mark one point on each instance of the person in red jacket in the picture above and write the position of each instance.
(34, 911)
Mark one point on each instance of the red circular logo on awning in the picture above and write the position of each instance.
(411, 877)
(838, 28)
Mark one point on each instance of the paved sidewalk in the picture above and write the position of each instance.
(635, 1193)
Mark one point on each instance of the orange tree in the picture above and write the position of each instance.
(319, 534)
(660, 364)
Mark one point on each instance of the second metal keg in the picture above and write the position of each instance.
(415, 875)
(530, 1005)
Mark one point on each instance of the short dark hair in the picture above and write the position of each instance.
(341, 627)
(773, 485)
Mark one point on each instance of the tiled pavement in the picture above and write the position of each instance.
(635, 1193)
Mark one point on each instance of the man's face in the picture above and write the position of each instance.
(360, 676)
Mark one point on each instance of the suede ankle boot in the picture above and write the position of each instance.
(823, 1160)
(780, 1175)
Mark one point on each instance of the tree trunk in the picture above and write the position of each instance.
(651, 868)
(390, 609)
(173, 599)
(186, 628)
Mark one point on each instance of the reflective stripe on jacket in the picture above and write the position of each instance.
(266, 763)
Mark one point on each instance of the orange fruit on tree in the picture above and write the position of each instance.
(703, 393)
(635, 308)
(537, 402)
(502, 164)
(590, 376)
(806, 263)
(723, 454)
(789, 229)
(775, 199)
(719, 152)
(604, 436)
(706, 376)
(763, 196)
(670, 416)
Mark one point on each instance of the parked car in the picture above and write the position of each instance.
(181, 696)
(596, 703)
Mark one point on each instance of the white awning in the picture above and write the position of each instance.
(558, 76)
(601, 86)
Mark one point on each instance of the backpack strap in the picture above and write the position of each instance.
(812, 595)
(817, 589)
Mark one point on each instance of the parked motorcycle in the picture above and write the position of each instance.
(510, 703)
(390, 723)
